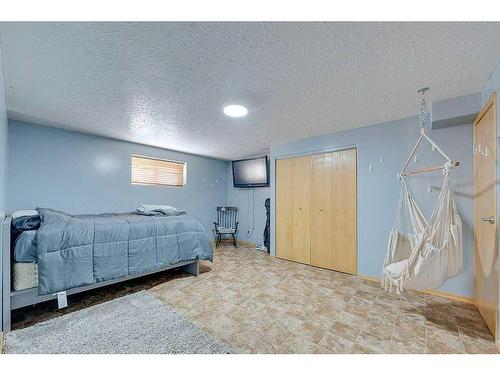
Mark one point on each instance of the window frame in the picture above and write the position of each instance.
(184, 171)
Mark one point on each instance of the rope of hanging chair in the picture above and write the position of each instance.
(431, 251)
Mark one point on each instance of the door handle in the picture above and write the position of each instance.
(490, 219)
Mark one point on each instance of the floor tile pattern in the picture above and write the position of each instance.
(261, 304)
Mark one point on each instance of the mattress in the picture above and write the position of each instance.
(24, 276)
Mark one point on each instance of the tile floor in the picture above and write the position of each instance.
(260, 304)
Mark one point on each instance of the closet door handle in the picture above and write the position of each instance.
(490, 219)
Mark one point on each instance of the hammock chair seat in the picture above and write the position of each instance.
(396, 268)
(431, 252)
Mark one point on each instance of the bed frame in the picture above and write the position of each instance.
(12, 300)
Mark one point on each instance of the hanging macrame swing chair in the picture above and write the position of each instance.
(427, 253)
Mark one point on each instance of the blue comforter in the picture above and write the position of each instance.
(79, 250)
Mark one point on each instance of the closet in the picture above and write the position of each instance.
(316, 210)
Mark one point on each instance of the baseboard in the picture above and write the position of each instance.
(437, 293)
(370, 278)
(452, 296)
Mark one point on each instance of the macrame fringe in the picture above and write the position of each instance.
(395, 283)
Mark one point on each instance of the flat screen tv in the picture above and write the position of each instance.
(250, 173)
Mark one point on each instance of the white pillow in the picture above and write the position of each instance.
(22, 213)
(152, 207)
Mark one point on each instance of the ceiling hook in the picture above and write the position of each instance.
(423, 107)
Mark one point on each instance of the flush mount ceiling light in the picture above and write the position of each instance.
(235, 110)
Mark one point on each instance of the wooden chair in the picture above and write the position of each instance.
(226, 224)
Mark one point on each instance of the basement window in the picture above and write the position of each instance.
(152, 171)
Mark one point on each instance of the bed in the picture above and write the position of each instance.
(71, 254)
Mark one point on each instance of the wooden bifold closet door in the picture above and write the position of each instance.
(333, 211)
(293, 210)
(322, 186)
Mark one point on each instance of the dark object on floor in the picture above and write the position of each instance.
(267, 230)
(226, 224)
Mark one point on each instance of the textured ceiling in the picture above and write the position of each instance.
(164, 84)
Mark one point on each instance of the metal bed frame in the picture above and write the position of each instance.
(12, 300)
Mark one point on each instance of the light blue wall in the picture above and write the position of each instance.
(81, 173)
(3, 138)
(456, 111)
(252, 213)
(378, 191)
